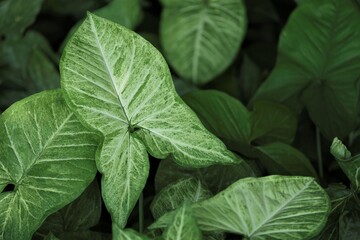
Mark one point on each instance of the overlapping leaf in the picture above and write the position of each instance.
(264, 208)
(47, 155)
(318, 65)
(201, 38)
(174, 195)
(119, 85)
(183, 226)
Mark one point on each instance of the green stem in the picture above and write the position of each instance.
(141, 213)
(319, 154)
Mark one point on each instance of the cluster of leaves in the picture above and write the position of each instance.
(239, 125)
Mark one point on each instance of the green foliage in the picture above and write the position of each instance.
(232, 141)
(201, 38)
(318, 65)
(49, 158)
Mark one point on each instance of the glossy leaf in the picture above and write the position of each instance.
(264, 208)
(281, 158)
(350, 165)
(47, 155)
(17, 15)
(188, 190)
(119, 85)
(201, 38)
(318, 65)
(183, 226)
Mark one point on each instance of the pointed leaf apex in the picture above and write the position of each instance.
(339, 150)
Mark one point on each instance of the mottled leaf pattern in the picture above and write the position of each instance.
(47, 155)
(119, 85)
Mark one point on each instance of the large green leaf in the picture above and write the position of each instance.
(183, 226)
(17, 15)
(274, 207)
(349, 164)
(119, 85)
(174, 195)
(318, 65)
(201, 38)
(47, 155)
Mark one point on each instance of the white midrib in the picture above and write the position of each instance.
(106, 64)
(278, 210)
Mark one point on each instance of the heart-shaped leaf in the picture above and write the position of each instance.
(318, 65)
(201, 37)
(46, 156)
(264, 208)
(119, 85)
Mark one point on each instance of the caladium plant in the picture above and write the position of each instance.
(77, 160)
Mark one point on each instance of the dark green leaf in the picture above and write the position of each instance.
(17, 15)
(222, 115)
(318, 65)
(281, 158)
(272, 122)
(216, 177)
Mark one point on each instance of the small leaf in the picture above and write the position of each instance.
(17, 15)
(175, 194)
(264, 208)
(48, 158)
(183, 226)
(201, 38)
(350, 165)
(119, 85)
(281, 158)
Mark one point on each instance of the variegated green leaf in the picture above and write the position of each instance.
(264, 208)
(119, 85)
(47, 155)
(183, 226)
(174, 195)
(201, 37)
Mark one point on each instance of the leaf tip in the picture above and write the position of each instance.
(339, 150)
